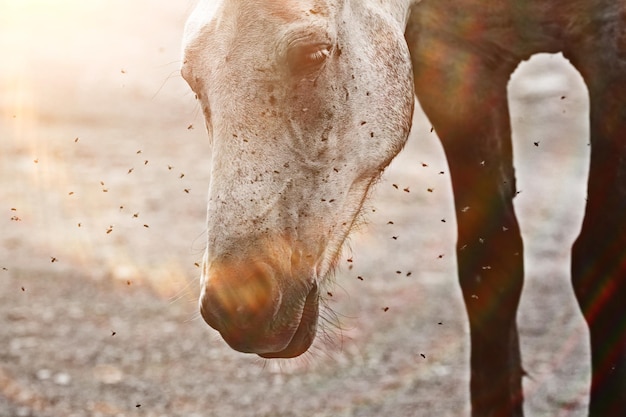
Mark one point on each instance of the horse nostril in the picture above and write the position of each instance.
(239, 297)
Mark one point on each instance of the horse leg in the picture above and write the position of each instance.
(468, 108)
(599, 253)
(490, 267)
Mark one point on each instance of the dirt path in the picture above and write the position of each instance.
(103, 177)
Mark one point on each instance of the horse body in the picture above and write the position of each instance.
(306, 103)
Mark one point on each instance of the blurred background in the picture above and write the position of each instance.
(103, 180)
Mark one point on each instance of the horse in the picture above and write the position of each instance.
(306, 102)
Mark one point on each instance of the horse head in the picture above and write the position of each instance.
(305, 103)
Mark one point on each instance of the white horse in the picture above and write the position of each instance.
(307, 101)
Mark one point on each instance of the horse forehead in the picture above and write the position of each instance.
(216, 24)
(287, 11)
(268, 21)
(283, 11)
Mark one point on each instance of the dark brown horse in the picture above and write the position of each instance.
(307, 101)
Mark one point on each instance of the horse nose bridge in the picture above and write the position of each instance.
(240, 297)
(243, 204)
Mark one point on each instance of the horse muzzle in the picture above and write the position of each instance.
(258, 310)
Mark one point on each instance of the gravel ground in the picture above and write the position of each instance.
(103, 178)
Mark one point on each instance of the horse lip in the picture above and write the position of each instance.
(305, 332)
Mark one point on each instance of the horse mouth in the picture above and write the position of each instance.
(258, 310)
(305, 332)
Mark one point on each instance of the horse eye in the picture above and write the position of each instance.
(307, 58)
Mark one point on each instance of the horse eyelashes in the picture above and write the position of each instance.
(307, 58)
(319, 55)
